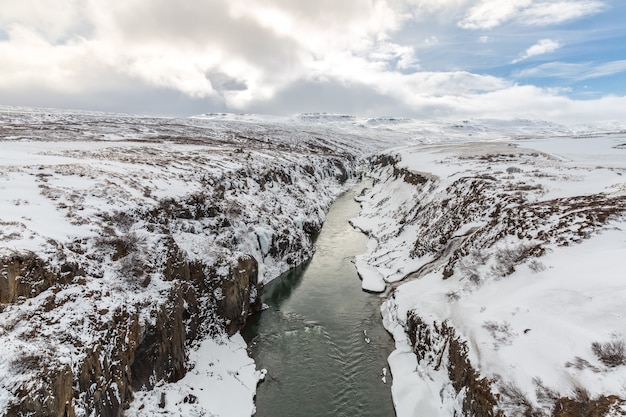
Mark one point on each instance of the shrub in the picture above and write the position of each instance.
(502, 333)
(513, 170)
(536, 266)
(27, 362)
(612, 353)
(514, 402)
(453, 296)
(508, 257)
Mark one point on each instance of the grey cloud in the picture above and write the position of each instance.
(224, 82)
(332, 97)
(128, 97)
(202, 25)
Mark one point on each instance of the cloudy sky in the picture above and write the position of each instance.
(550, 59)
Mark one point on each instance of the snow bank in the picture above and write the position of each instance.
(221, 382)
(118, 208)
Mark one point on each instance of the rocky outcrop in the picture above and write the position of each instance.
(437, 345)
(583, 406)
(133, 348)
(494, 213)
(25, 275)
(239, 294)
(131, 356)
(147, 259)
(105, 377)
(52, 398)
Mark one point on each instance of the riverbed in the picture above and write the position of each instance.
(321, 338)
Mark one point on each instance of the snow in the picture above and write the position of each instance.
(75, 185)
(221, 383)
(372, 280)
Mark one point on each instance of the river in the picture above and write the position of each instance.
(321, 339)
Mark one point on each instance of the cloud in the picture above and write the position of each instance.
(55, 20)
(261, 46)
(272, 55)
(554, 12)
(489, 14)
(573, 71)
(544, 46)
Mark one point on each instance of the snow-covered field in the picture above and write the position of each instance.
(126, 241)
(514, 253)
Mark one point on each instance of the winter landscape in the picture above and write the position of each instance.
(134, 250)
(372, 208)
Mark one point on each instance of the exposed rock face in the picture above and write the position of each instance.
(439, 346)
(583, 406)
(160, 352)
(239, 294)
(104, 382)
(489, 216)
(26, 275)
(53, 398)
(130, 355)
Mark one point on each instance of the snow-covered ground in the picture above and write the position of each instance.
(108, 222)
(113, 224)
(517, 247)
(222, 382)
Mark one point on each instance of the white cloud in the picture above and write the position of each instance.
(573, 71)
(554, 12)
(53, 19)
(489, 14)
(261, 45)
(544, 46)
(545, 104)
(527, 102)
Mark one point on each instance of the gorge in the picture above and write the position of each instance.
(133, 250)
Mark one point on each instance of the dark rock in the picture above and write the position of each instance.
(25, 275)
(160, 353)
(52, 397)
(585, 407)
(240, 294)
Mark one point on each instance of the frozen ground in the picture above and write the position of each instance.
(222, 383)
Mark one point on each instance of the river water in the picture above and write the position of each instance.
(321, 339)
